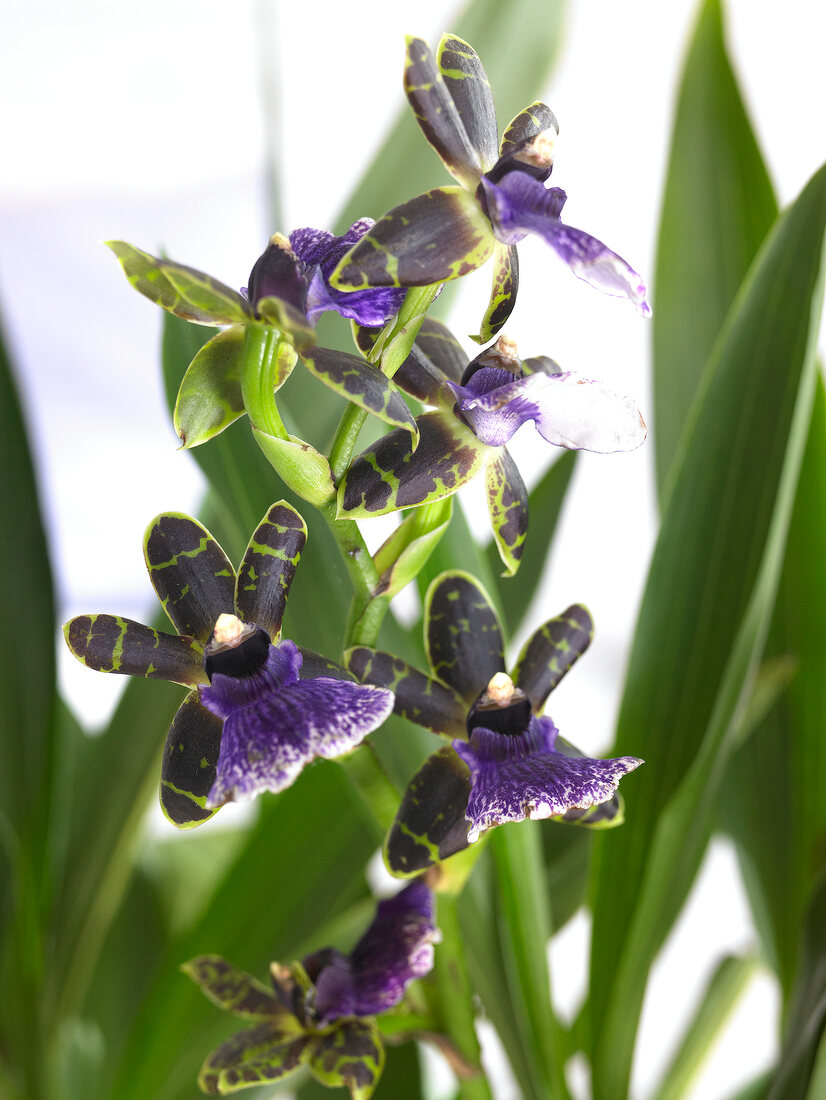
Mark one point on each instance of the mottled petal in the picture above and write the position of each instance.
(513, 778)
(110, 643)
(268, 567)
(430, 824)
(392, 475)
(362, 383)
(257, 1056)
(190, 573)
(467, 85)
(551, 651)
(275, 724)
(526, 126)
(190, 756)
(520, 204)
(349, 1055)
(504, 288)
(568, 410)
(418, 698)
(440, 235)
(463, 637)
(508, 509)
(234, 990)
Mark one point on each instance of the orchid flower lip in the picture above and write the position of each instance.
(236, 649)
(501, 708)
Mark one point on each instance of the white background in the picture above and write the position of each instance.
(146, 122)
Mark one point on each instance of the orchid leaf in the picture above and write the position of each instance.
(402, 556)
(443, 121)
(268, 567)
(363, 384)
(508, 509)
(503, 292)
(190, 759)
(190, 573)
(181, 290)
(551, 651)
(110, 643)
(468, 87)
(351, 1055)
(437, 236)
(392, 475)
(419, 698)
(463, 636)
(430, 824)
(680, 700)
(209, 399)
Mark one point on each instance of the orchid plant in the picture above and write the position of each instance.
(349, 735)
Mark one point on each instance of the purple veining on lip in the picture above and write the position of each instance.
(275, 723)
(513, 778)
(519, 204)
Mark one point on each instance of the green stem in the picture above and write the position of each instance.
(259, 365)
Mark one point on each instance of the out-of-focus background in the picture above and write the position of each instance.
(157, 123)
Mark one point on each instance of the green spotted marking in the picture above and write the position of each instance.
(110, 643)
(508, 509)
(349, 1054)
(363, 384)
(209, 399)
(551, 652)
(526, 126)
(440, 235)
(181, 290)
(268, 567)
(393, 476)
(504, 288)
(430, 824)
(463, 636)
(190, 573)
(419, 698)
(190, 759)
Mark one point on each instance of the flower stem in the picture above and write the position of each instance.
(258, 377)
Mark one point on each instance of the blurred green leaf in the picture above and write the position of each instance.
(717, 209)
(705, 611)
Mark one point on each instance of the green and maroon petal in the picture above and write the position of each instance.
(502, 292)
(430, 825)
(257, 1056)
(468, 86)
(541, 364)
(419, 698)
(463, 637)
(110, 643)
(528, 124)
(181, 290)
(190, 756)
(268, 567)
(209, 399)
(551, 651)
(439, 116)
(190, 573)
(508, 509)
(436, 357)
(349, 1055)
(361, 383)
(314, 665)
(232, 989)
(440, 235)
(392, 475)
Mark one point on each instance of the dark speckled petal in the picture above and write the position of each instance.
(190, 573)
(513, 778)
(259, 1055)
(437, 236)
(362, 383)
(467, 84)
(268, 568)
(504, 288)
(527, 125)
(110, 643)
(551, 652)
(419, 698)
(462, 634)
(508, 509)
(275, 724)
(435, 358)
(348, 1056)
(519, 204)
(392, 475)
(190, 756)
(396, 949)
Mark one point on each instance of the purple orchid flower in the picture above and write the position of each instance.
(503, 762)
(447, 232)
(256, 712)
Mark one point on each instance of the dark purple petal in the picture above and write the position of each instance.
(568, 410)
(519, 204)
(275, 723)
(513, 778)
(396, 949)
(279, 273)
(317, 247)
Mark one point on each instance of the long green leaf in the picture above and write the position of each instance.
(704, 614)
